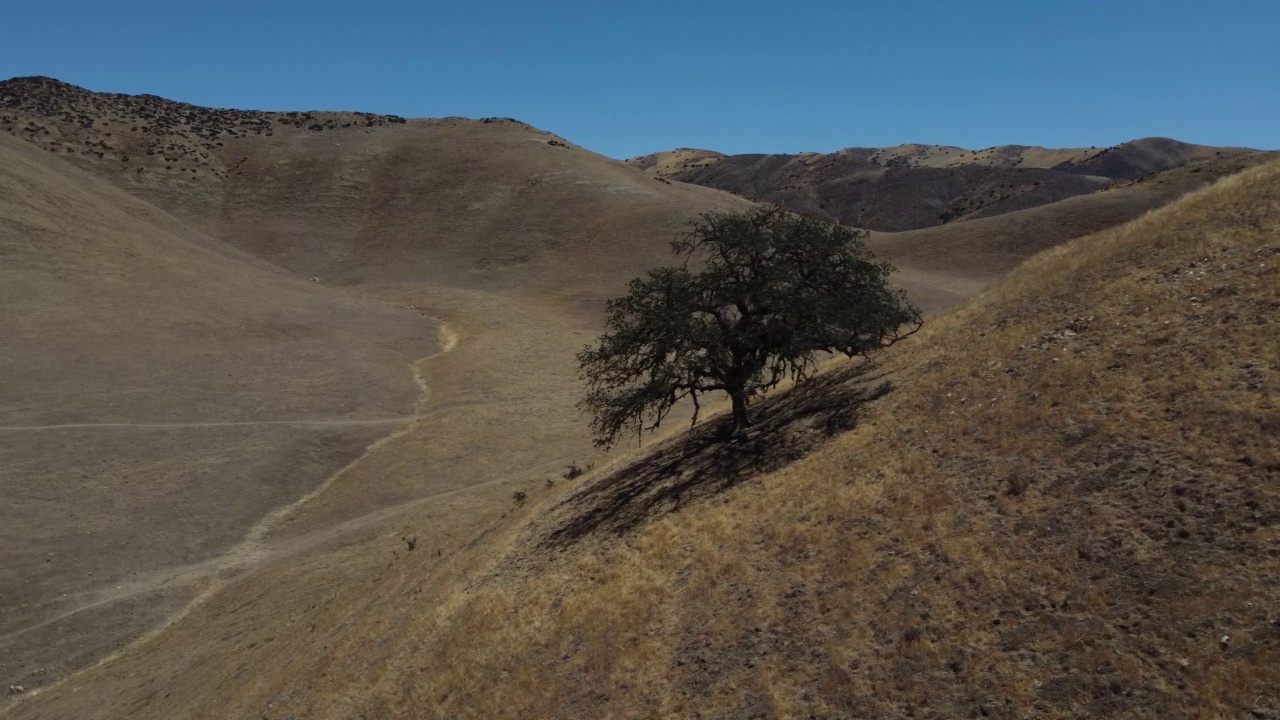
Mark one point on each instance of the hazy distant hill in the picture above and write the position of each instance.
(916, 186)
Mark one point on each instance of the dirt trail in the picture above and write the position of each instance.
(480, 428)
(253, 551)
(212, 574)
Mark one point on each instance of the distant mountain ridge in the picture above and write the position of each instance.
(152, 147)
(915, 186)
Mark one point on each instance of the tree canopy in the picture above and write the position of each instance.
(759, 296)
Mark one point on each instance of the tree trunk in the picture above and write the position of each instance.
(741, 418)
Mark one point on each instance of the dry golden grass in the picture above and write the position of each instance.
(132, 347)
(775, 594)
(1066, 506)
(988, 247)
(116, 310)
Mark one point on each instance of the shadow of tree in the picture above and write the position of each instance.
(702, 462)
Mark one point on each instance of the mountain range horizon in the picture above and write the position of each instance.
(906, 143)
(877, 189)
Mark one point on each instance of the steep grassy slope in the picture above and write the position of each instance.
(918, 186)
(1060, 500)
(148, 411)
(1066, 505)
(93, 275)
(942, 265)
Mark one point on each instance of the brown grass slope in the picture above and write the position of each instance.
(149, 385)
(361, 199)
(1059, 500)
(509, 235)
(498, 206)
(942, 265)
(918, 186)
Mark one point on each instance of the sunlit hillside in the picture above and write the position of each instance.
(288, 429)
(161, 394)
(1064, 503)
(1058, 500)
(315, 335)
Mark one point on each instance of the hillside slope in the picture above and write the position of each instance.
(1076, 514)
(918, 186)
(512, 237)
(128, 314)
(149, 414)
(508, 234)
(1132, 160)
(497, 206)
(357, 199)
(942, 265)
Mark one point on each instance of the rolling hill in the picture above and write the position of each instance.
(152, 313)
(1076, 515)
(245, 266)
(160, 396)
(352, 199)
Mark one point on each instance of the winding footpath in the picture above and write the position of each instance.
(214, 573)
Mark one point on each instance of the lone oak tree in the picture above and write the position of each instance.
(759, 296)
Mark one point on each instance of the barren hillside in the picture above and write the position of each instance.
(942, 265)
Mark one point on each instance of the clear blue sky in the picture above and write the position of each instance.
(741, 76)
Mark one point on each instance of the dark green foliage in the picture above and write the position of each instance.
(760, 296)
